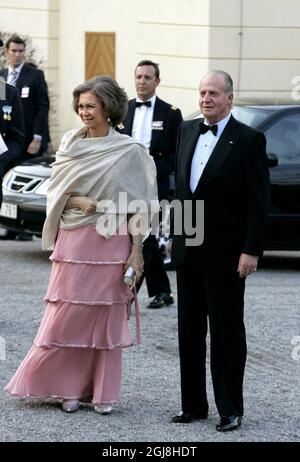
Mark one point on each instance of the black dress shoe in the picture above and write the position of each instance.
(162, 299)
(227, 424)
(187, 417)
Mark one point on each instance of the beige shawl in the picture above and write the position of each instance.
(99, 168)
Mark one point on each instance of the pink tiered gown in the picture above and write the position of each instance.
(77, 352)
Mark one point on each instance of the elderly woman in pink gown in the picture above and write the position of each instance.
(96, 180)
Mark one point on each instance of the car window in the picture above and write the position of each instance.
(283, 139)
(250, 115)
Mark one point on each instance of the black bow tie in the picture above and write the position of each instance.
(204, 128)
(145, 103)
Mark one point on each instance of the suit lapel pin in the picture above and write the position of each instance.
(7, 111)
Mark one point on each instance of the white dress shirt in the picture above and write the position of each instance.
(204, 147)
(142, 122)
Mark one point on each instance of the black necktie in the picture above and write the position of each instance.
(145, 103)
(204, 128)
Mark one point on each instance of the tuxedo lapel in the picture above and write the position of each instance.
(221, 151)
(188, 141)
(159, 115)
(23, 78)
(128, 121)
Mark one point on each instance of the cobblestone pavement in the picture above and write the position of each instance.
(151, 390)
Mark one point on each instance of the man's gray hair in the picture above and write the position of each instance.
(227, 78)
(112, 97)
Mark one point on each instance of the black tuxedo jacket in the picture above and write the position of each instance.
(36, 105)
(163, 139)
(12, 131)
(235, 189)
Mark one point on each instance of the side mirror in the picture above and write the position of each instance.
(272, 160)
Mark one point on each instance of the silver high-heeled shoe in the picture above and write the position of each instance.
(103, 409)
(70, 405)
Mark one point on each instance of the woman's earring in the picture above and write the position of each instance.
(108, 120)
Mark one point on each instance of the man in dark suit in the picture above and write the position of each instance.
(11, 126)
(223, 163)
(34, 96)
(32, 87)
(155, 123)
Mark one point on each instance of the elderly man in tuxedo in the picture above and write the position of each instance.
(155, 123)
(11, 126)
(223, 163)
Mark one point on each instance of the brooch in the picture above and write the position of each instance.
(7, 111)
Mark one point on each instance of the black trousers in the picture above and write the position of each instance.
(218, 297)
(156, 277)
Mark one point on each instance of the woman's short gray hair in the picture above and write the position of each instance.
(112, 97)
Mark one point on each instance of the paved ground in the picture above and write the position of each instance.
(151, 392)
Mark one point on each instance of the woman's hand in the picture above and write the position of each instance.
(86, 204)
(136, 261)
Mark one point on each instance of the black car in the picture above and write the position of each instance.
(25, 186)
(281, 126)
